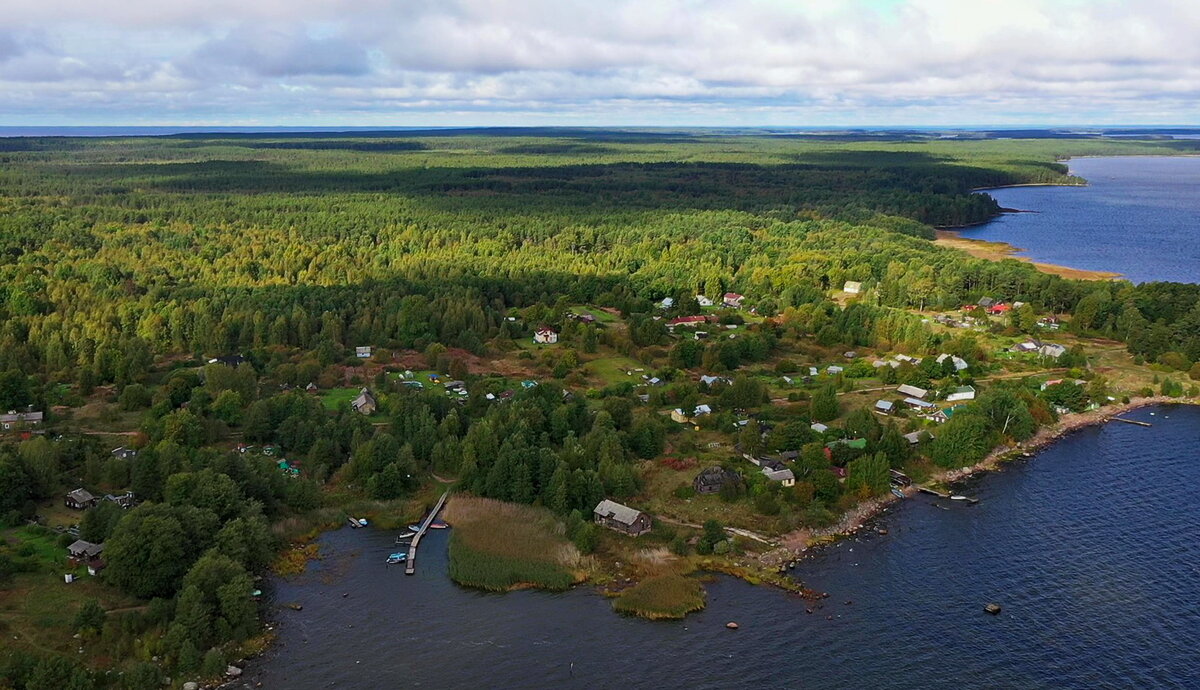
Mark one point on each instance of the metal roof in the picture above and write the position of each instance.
(615, 511)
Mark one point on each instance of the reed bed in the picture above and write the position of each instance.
(501, 546)
(661, 597)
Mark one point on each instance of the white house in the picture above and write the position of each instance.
(703, 301)
(834, 369)
(961, 393)
(545, 335)
(733, 299)
(818, 427)
(783, 476)
(667, 302)
(852, 287)
(959, 363)
(362, 352)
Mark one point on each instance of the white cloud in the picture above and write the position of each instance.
(618, 61)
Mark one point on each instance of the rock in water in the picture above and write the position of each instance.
(993, 609)
(233, 671)
(731, 625)
(191, 685)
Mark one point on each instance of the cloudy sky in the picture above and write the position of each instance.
(599, 62)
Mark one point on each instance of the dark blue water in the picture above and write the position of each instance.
(1092, 548)
(1138, 216)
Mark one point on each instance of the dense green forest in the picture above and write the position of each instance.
(126, 264)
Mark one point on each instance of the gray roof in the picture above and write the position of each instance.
(81, 495)
(14, 416)
(85, 548)
(779, 475)
(918, 403)
(615, 511)
(884, 405)
(914, 391)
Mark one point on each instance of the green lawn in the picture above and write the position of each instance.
(601, 315)
(339, 398)
(612, 369)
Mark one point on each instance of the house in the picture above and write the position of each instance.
(18, 421)
(959, 363)
(711, 380)
(686, 321)
(80, 499)
(362, 352)
(852, 287)
(123, 453)
(961, 393)
(311, 388)
(666, 303)
(713, 479)
(818, 427)
(915, 437)
(884, 406)
(918, 404)
(733, 299)
(782, 475)
(1027, 346)
(833, 369)
(912, 391)
(985, 302)
(125, 500)
(82, 551)
(703, 301)
(228, 360)
(999, 308)
(677, 415)
(880, 363)
(365, 403)
(702, 410)
(621, 518)
(545, 335)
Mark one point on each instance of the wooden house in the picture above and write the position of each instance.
(713, 479)
(21, 421)
(79, 499)
(365, 403)
(621, 518)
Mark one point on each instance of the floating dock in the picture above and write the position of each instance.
(410, 565)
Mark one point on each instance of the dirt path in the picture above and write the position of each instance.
(732, 530)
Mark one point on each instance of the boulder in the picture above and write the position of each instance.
(233, 671)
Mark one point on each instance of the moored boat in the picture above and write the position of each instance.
(897, 493)
(397, 558)
(414, 528)
(438, 525)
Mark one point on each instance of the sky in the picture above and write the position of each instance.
(599, 62)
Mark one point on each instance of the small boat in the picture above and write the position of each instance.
(414, 528)
(397, 558)
(956, 497)
(354, 523)
(897, 493)
(438, 525)
(362, 522)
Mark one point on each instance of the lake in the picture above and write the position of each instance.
(1091, 547)
(1138, 216)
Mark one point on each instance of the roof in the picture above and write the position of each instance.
(363, 398)
(819, 427)
(81, 495)
(914, 437)
(915, 402)
(702, 409)
(779, 475)
(733, 295)
(963, 389)
(14, 416)
(615, 511)
(545, 330)
(681, 320)
(852, 286)
(85, 548)
(884, 405)
(912, 391)
(717, 475)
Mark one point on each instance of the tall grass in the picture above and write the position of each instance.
(500, 546)
(661, 597)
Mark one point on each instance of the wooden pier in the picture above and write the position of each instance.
(1131, 421)
(410, 565)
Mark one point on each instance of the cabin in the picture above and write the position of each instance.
(125, 500)
(79, 499)
(123, 453)
(545, 335)
(997, 309)
(666, 303)
(914, 438)
(776, 472)
(912, 391)
(21, 421)
(621, 518)
(715, 478)
(712, 380)
(961, 393)
(884, 407)
(1052, 351)
(918, 404)
(703, 301)
(362, 352)
(818, 427)
(82, 551)
(852, 287)
(733, 300)
(365, 403)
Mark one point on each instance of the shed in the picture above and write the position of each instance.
(621, 518)
(852, 287)
(919, 404)
(884, 406)
(912, 391)
(961, 393)
(362, 352)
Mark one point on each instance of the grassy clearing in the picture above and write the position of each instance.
(612, 369)
(661, 597)
(339, 398)
(501, 546)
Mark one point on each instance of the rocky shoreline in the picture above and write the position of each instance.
(804, 542)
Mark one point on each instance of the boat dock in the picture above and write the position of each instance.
(927, 490)
(410, 565)
(1131, 421)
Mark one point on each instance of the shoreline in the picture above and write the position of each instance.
(990, 250)
(857, 518)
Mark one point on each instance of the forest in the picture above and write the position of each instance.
(128, 264)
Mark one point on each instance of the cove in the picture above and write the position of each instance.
(1090, 546)
(1137, 216)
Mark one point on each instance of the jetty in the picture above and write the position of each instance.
(410, 564)
(1131, 421)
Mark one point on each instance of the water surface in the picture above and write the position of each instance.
(1138, 216)
(1091, 547)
